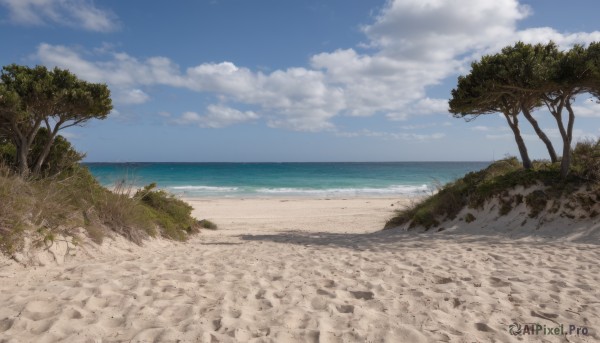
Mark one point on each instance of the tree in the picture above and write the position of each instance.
(509, 82)
(568, 75)
(524, 77)
(55, 99)
(479, 93)
(525, 65)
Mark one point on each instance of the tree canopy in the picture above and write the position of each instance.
(32, 98)
(524, 77)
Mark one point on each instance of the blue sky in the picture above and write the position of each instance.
(272, 80)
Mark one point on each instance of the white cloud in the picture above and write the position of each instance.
(545, 34)
(296, 98)
(133, 96)
(216, 116)
(589, 108)
(435, 30)
(412, 45)
(76, 13)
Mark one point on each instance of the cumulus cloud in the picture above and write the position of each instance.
(216, 116)
(133, 96)
(75, 13)
(411, 45)
(589, 108)
(296, 98)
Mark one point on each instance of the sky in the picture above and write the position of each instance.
(294, 80)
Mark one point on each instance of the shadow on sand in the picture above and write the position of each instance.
(413, 239)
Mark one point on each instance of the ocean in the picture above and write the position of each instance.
(286, 179)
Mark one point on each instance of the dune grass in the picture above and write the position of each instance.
(59, 205)
(475, 188)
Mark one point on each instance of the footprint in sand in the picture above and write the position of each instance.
(345, 308)
(329, 283)
(483, 327)
(325, 293)
(365, 295)
(216, 324)
(6, 324)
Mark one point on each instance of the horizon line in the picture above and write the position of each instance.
(249, 162)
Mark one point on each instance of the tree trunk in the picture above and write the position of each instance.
(555, 107)
(514, 125)
(566, 159)
(23, 142)
(540, 134)
(42, 158)
(22, 152)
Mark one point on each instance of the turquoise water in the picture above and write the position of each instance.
(286, 179)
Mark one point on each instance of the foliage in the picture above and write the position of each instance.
(172, 214)
(586, 160)
(524, 77)
(31, 98)
(62, 157)
(469, 217)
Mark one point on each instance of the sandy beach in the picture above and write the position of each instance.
(306, 270)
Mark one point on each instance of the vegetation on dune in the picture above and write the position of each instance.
(497, 180)
(519, 80)
(45, 193)
(58, 206)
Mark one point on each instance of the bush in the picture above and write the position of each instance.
(586, 160)
(172, 215)
(207, 224)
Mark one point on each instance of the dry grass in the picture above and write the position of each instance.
(50, 207)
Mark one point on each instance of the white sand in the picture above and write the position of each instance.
(306, 271)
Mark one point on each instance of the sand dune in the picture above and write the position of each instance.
(307, 271)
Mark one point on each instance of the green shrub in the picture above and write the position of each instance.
(536, 202)
(207, 224)
(586, 160)
(172, 215)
